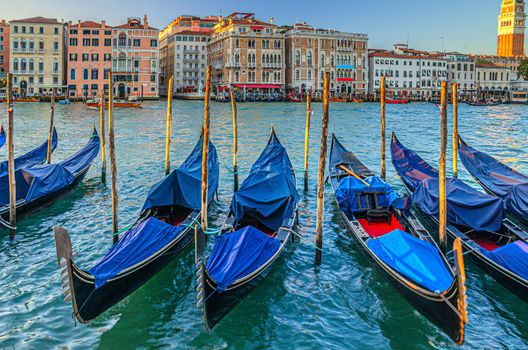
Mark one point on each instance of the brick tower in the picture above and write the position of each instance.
(511, 25)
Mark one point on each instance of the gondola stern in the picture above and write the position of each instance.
(393, 137)
(65, 261)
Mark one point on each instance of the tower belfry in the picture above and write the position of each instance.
(511, 26)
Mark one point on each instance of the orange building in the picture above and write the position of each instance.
(511, 26)
(89, 58)
(4, 48)
(135, 59)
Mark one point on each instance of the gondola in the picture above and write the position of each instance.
(258, 227)
(484, 104)
(495, 244)
(162, 230)
(391, 235)
(33, 157)
(497, 179)
(2, 136)
(38, 186)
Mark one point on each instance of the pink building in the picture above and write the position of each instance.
(135, 59)
(89, 58)
(4, 48)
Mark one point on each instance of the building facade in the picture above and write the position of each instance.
(461, 70)
(4, 48)
(412, 73)
(247, 54)
(135, 60)
(493, 79)
(183, 53)
(37, 56)
(511, 27)
(89, 58)
(311, 52)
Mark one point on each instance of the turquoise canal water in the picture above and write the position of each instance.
(344, 303)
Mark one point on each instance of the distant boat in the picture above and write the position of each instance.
(23, 99)
(117, 104)
(398, 101)
(189, 96)
(64, 102)
(484, 104)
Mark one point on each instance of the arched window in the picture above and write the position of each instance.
(237, 58)
(72, 74)
(23, 64)
(85, 74)
(122, 39)
(237, 43)
(297, 57)
(237, 76)
(322, 60)
(31, 44)
(55, 66)
(309, 58)
(15, 64)
(332, 60)
(31, 65)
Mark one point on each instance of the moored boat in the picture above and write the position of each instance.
(257, 229)
(163, 229)
(495, 244)
(116, 104)
(397, 243)
(484, 103)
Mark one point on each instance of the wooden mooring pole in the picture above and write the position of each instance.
(113, 166)
(103, 136)
(455, 130)
(442, 176)
(234, 115)
(11, 156)
(321, 173)
(205, 150)
(50, 134)
(307, 138)
(383, 166)
(168, 126)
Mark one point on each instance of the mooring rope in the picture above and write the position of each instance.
(301, 237)
(449, 304)
(210, 231)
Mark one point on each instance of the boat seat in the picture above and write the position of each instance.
(371, 207)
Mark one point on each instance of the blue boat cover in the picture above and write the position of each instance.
(466, 206)
(414, 258)
(39, 180)
(339, 155)
(350, 189)
(500, 179)
(183, 186)
(136, 245)
(33, 157)
(513, 256)
(2, 136)
(237, 254)
(269, 188)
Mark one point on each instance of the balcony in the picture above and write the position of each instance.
(55, 73)
(55, 51)
(40, 50)
(190, 69)
(189, 60)
(191, 52)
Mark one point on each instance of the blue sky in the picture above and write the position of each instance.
(465, 25)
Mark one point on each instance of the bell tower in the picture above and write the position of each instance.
(511, 25)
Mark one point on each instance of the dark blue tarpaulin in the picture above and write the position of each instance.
(33, 157)
(339, 155)
(237, 254)
(498, 178)
(513, 256)
(350, 189)
(39, 180)
(183, 186)
(136, 245)
(269, 188)
(2, 136)
(466, 206)
(412, 257)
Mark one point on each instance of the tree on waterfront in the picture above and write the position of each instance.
(523, 69)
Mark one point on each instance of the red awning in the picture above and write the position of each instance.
(258, 86)
(345, 79)
(223, 88)
(257, 27)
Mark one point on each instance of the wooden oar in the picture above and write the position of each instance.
(350, 172)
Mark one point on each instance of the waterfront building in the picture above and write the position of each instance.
(493, 79)
(135, 59)
(89, 58)
(512, 62)
(310, 52)
(246, 53)
(37, 56)
(511, 27)
(415, 73)
(183, 53)
(461, 70)
(4, 48)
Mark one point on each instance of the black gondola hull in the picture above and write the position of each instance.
(92, 302)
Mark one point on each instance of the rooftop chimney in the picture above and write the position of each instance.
(103, 23)
(79, 23)
(145, 22)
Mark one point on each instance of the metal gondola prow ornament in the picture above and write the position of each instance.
(460, 273)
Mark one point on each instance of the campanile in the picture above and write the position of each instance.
(511, 25)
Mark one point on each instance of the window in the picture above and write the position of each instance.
(41, 80)
(297, 57)
(15, 29)
(95, 57)
(297, 74)
(309, 58)
(23, 29)
(41, 67)
(56, 30)
(95, 74)
(107, 32)
(73, 41)
(237, 44)
(153, 43)
(86, 42)
(85, 74)
(107, 42)
(95, 42)
(85, 57)
(137, 42)
(41, 30)
(107, 57)
(72, 74)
